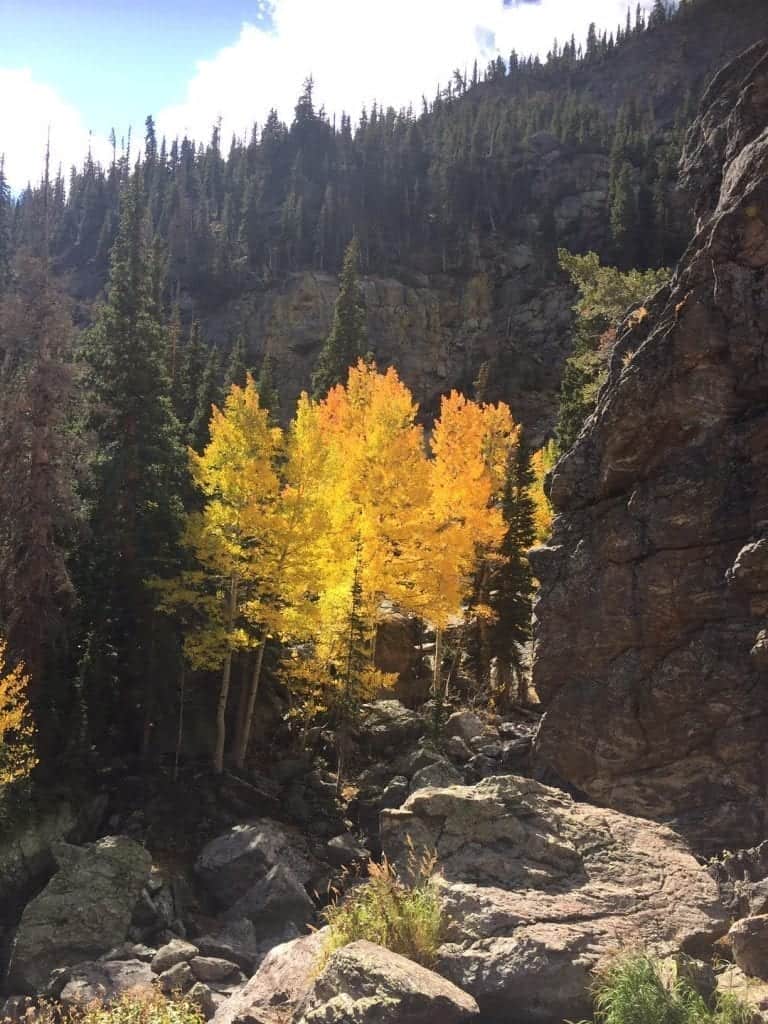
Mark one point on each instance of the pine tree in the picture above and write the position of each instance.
(236, 370)
(624, 226)
(511, 587)
(208, 394)
(592, 47)
(5, 230)
(347, 339)
(191, 362)
(265, 385)
(133, 497)
(658, 14)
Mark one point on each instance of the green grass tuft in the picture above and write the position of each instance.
(632, 990)
(405, 917)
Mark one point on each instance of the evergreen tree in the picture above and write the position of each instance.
(236, 370)
(624, 217)
(191, 364)
(592, 45)
(511, 590)
(5, 230)
(346, 342)
(209, 393)
(265, 385)
(658, 14)
(133, 497)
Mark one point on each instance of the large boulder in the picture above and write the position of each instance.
(84, 911)
(277, 902)
(230, 865)
(363, 983)
(541, 889)
(387, 725)
(279, 987)
(653, 587)
(749, 942)
(103, 981)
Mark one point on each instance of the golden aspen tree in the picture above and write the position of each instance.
(542, 461)
(17, 733)
(470, 447)
(238, 477)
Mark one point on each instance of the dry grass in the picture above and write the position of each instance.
(404, 916)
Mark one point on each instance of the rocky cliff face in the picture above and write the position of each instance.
(650, 654)
(436, 328)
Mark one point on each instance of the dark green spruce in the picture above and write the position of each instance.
(134, 491)
(346, 342)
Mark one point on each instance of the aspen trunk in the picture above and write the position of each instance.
(245, 732)
(437, 672)
(226, 674)
(242, 702)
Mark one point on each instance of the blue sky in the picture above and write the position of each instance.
(85, 66)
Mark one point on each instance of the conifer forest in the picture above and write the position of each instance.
(382, 550)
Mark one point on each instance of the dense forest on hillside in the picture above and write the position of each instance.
(109, 278)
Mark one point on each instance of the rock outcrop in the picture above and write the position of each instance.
(233, 863)
(650, 654)
(541, 889)
(84, 910)
(362, 983)
(279, 987)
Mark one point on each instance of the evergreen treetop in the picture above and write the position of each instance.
(348, 336)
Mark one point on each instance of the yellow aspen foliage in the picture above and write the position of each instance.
(542, 462)
(357, 468)
(462, 521)
(231, 542)
(17, 734)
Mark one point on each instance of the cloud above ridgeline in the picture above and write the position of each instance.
(357, 51)
(34, 113)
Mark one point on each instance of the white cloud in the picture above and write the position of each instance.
(361, 50)
(31, 111)
(356, 50)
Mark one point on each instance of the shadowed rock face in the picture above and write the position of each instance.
(649, 652)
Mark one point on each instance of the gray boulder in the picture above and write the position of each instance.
(176, 951)
(363, 983)
(749, 942)
(230, 864)
(84, 911)
(236, 941)
(130, 951)
(541, 890)
(388, 724)
(279, 986)
(203, 998)
(104, 981)
(438, 774)
(395, 792)
(457, 749)
(345, 850)
(274, 903)
(176, 979)
(213, 968)
(465, 725)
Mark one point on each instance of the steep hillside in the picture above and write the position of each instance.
(459, 210)
(650, 649)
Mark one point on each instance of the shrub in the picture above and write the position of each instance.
(142, 1008)
(632, 990)
(406, 917)
(138, 1007)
